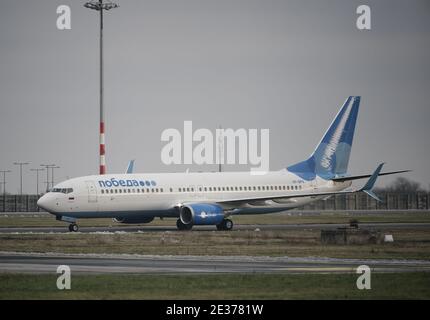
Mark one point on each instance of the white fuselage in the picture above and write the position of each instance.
(160, 194)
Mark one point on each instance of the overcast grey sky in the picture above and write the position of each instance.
(282, 65)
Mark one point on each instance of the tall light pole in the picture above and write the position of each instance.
(37, 179)
(47, 166)
(4, 180)
(20, 164)
(220, 149)
(100, 6)
(4, 188)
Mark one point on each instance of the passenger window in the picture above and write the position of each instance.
(171, 190)
(179, 189)
(103, 191)
(116, 191)
(206, 189)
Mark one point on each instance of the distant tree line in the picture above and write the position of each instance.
(402, 184)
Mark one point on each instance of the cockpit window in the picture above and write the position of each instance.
(63, 190)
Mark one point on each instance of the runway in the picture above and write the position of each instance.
(250, 227)
(95, 264)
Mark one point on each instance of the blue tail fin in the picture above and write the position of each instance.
(331, 156)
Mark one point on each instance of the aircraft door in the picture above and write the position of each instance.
(92, 191)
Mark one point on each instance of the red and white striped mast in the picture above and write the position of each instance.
(100, 6)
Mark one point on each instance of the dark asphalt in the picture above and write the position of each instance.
(149, 228)
(48, 263)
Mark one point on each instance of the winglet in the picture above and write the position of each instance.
(130, 167)
(371, 182)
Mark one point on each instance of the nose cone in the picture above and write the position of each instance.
(43, 202)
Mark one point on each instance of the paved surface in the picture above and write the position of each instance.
(48, 263)
(149, 228)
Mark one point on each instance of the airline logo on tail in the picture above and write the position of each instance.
(331, 156)
(330, 149)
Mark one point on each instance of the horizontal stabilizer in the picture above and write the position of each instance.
(349, 178)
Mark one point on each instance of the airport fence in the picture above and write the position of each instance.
(355, 201)
(18, 203)
(361, 201)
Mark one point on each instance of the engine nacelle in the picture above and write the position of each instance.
(201, 214)
(133, 220)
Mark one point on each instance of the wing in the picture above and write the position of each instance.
(367, 188)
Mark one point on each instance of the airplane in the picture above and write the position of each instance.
(212, 198)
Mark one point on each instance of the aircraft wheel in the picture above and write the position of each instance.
(228, 224)
(182, 226)
(225, 225)
(73, 227)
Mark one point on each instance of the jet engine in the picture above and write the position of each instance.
(201, 214)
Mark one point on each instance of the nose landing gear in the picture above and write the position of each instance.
(73, 227)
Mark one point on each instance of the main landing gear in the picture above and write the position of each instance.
(225, 225)
(182, 226)
(73, 227)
